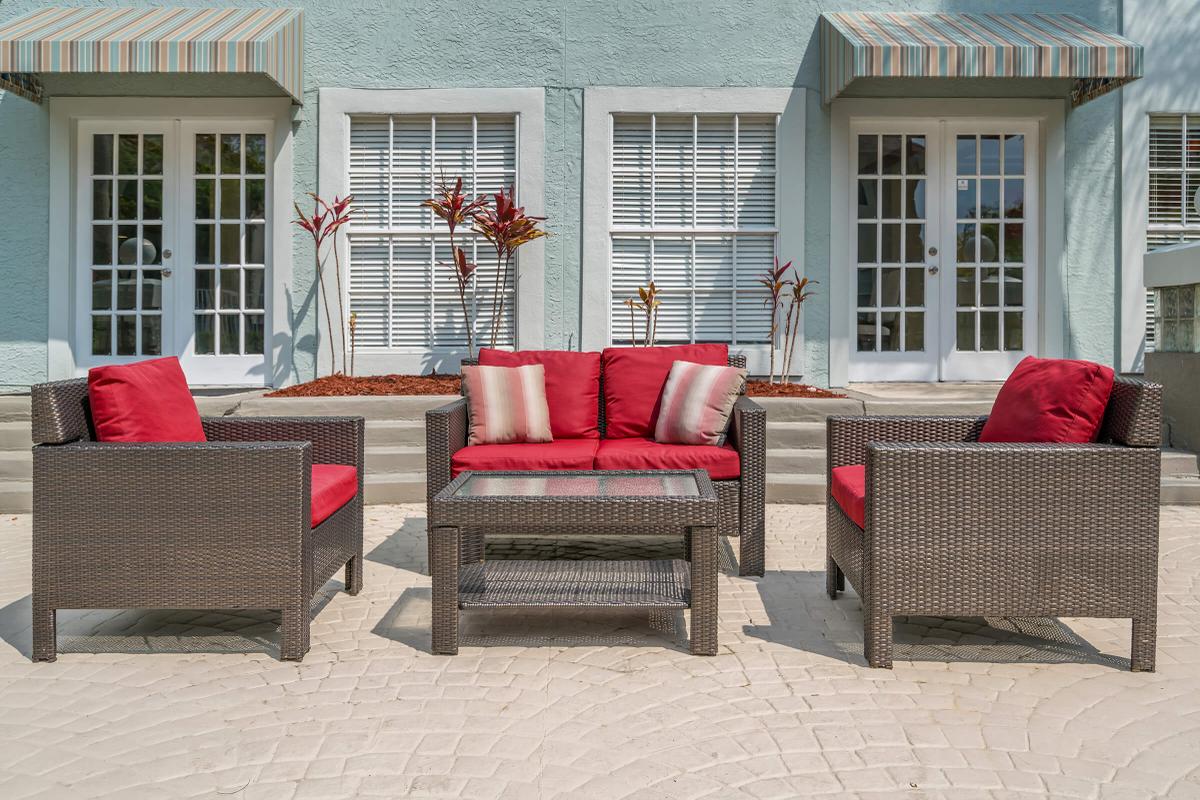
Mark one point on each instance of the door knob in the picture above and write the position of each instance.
(933, 269)
(166, 272)
(167, 253)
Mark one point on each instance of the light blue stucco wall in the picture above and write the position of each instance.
(565, 46)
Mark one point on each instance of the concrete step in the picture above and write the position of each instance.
(795, 461)
(16, 497)
(927, 408)
(395, 487)
(395, 458)
(14, 408)
(391, 407)
(1179, 462)
(1178, 490)
(384, 432)
(16, 465)
(791, 409)
(795, 434)
(15, 435)
(795, 488)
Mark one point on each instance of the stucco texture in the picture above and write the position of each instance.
(563, 46)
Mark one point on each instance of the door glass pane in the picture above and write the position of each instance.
(231, 336)
(206, 201)
(989, 330)
(889, 331)
(254, 289)
(866, 332)
(152, 199)
(989, 286)
(914, 331)
(1013, 286)
(965, 330)
(127, 244)
(989, 155)
(868, 154)
(889, 286)
(256, 198)
(1014, 198)
(206, 154)
(893, 155)
(1014, 154)
(965, 286)
(102, 203)
(205, 334)
(966, 155)
(231, 198)
(916, 155)
(1014, 334)
(914, 287)
(231, 153)
(231, 288)
(102, 244)
(890, 243)
(152, 154)
(231, 244)
(127, 154)
(256, 154)
(866, 286)
(892, 191)
(866, 244)
(127, 289)
(127, 199)
(867, 199)
(989, 198)
(256, 244)
(102, 336)
(206, 297)
(205, 244)
(101, 289)
(102, 154)
(152, 290)
(127, 335)
(914, 244)
(152, 335)
(254, 334)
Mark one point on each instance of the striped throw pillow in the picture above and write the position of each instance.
(506, 404)
(697, 402)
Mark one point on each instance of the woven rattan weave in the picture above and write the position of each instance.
(685, 502)
(223, 524)
(742, 501)
(955, 527)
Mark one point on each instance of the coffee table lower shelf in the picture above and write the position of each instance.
(575, 584)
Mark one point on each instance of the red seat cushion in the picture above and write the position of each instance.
(559, 454)
(572, 387)
(1050, 400)
(723, 463)
(333, 485)
(634, 378)
(144, 402)
(849, 489)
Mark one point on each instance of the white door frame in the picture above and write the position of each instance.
(67, 114)
(1050, 116)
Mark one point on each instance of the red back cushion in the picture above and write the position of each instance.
(1050, 400)
(572, 387)
(634, 378)
(144, 402)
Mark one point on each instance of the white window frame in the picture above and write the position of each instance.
(337, 106)
(66, 114)
(601, 103)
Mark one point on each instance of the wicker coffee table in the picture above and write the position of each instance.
(573, 504)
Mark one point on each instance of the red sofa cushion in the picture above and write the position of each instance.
(723, 463)
(333, 485)
(572, 387)
(634, 378)
(1050, 400)
(849, 489)
(559, 454)
(144, 402)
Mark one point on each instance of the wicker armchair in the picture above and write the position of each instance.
(742, 501)
(959, 528)
(218, 525)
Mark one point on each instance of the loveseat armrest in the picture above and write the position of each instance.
(846, 437)
(748, 428)
(205, 522)
(445, 434)
(335, 440)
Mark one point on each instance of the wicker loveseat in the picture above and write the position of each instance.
(955, 527)
(742, 498)
(222, 524)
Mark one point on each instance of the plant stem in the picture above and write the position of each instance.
(337, 260)
(495, 295)
(328, 316)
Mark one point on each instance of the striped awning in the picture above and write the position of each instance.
(152, 40)
(927, 45)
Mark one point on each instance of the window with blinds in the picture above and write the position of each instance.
(1174, 202)
(693, 209)
(401, 283)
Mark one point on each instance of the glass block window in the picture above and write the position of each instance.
(402, 286)
(127, 235)
(1174, 192)
(1177, 319)
(890, 243)
(230, 175)
(694, 211)
(989, 281)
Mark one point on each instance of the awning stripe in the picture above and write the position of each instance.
(162, 40)
(936, 45)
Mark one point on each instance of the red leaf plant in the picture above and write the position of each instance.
(508, 228)
(452, 207)
(322, 225)
(776, 282)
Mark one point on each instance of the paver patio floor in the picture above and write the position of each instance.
(586, 705)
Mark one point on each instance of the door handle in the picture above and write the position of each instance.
(166, 272)
(934, 269)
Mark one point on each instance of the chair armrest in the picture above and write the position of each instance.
(445, 434)
(240, 512)
(748, 428)
(847, 436)
(335, 440)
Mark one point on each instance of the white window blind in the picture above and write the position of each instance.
(693, 209)
(1174, 189)
(401, 283)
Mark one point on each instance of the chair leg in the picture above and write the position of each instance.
(354, 575)
(293, 634)
(752, 550)
(45, 632)
(835, 580)
(702, 550)
(445, 549)
(877, 638)
(1144, 641)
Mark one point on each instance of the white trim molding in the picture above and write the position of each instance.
(602, 102)
(335, 108)
(1050, 116)
(66, 115)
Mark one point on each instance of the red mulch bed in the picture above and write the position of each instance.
(764, 389)
(346, 386)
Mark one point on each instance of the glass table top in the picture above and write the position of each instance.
(616, 484)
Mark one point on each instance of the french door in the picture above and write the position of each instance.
(944, 249)
(173, 247)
